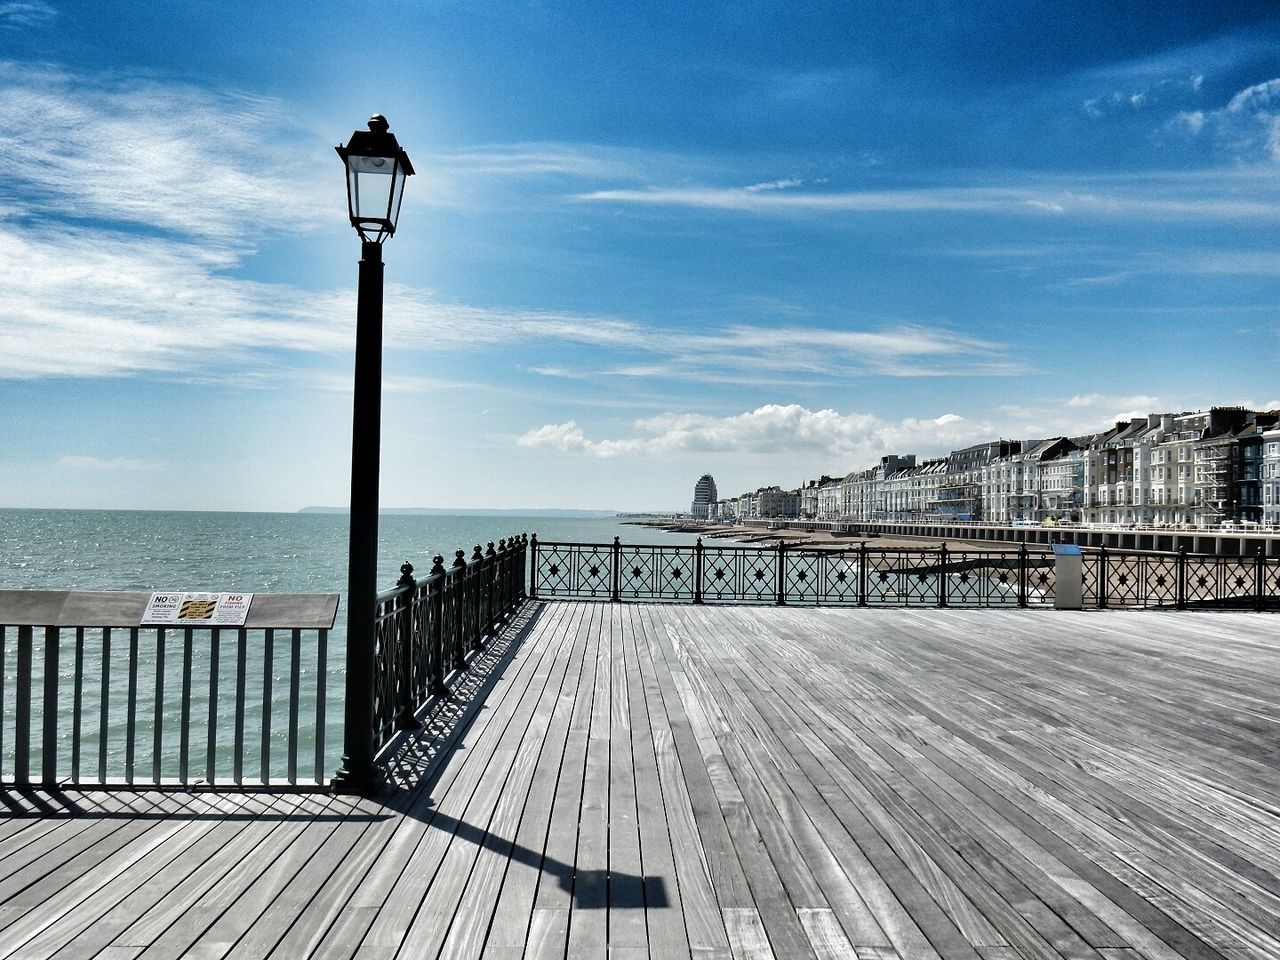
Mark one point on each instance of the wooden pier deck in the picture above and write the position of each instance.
(678, 781)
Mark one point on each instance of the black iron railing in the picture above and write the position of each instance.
(90, 698)
(865, 575)
(857, 576)
(427, 629)
(1114, 578)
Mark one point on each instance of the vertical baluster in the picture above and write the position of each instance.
(942, 576)
(77, 705)
(49, 721)
(157, 735)
(533, 567)
(131, 709)
(781, 582)
(268, 668)
(322, 682)
(4, 675)
(211, 750)
(22, 710)
(184, 729)
(104, 705)
(242, 654)
(1022, 574)
(295, 696)
(862, 574)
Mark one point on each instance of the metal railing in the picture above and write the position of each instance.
(1115, 578)
(867, 576)
(90, 698)
(427, 628)
(856, 576)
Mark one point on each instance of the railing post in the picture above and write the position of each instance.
(407, 642)
(435, 585)
(533, 567)
(781, 585)
(615, 584)
(457, 626)
(1180, 577)
(475, 578)
(491, 590)
(697, 571)
(1102, 575)
(1259, 578)
(942, 575)
(862, 573)
(526, 561)
(1022, 574)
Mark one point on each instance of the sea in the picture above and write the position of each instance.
(223, 552)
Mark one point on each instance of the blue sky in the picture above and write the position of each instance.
(761, 240)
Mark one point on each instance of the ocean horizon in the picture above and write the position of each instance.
(259, 552)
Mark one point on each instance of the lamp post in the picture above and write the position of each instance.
(376, 172)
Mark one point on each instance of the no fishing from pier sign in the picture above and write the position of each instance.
(197, 609)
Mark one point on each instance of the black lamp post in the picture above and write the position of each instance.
(376, 171)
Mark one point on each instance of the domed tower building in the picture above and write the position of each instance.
(704, 495)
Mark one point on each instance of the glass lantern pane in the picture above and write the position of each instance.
(397, 196)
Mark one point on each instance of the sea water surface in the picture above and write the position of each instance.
(160, 551)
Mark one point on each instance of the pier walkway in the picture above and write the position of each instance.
(677, 781)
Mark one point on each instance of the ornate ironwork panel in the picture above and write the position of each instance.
(1229, 581)
(747, 574)
(982, 578)
(574, 570)
(389, 681)
(839, 577)
(1042, 580)
(804, 576)
(656, 572)
(904, 578)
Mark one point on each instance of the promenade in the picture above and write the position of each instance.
(643, 780)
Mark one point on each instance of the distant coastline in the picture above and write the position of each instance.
(474, 512)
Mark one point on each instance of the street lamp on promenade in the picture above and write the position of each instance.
(376, 172)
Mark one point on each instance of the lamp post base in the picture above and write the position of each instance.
(362, 783)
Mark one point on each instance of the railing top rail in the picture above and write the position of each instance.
(101, 608)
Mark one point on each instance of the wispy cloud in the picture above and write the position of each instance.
(220, 168)
(24, 14)
(766, 431)
(1174, 196)
(73, 461)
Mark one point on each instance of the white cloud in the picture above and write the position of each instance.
(769, 430)
(107, 464)
(1247, 128)
(24, 14)
(1153, 196)
(218, 168)
(1096, 401)
(774, 185)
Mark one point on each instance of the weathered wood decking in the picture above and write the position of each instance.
(712, 782)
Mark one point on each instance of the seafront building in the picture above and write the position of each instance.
(704, 496)
(1202, 468)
